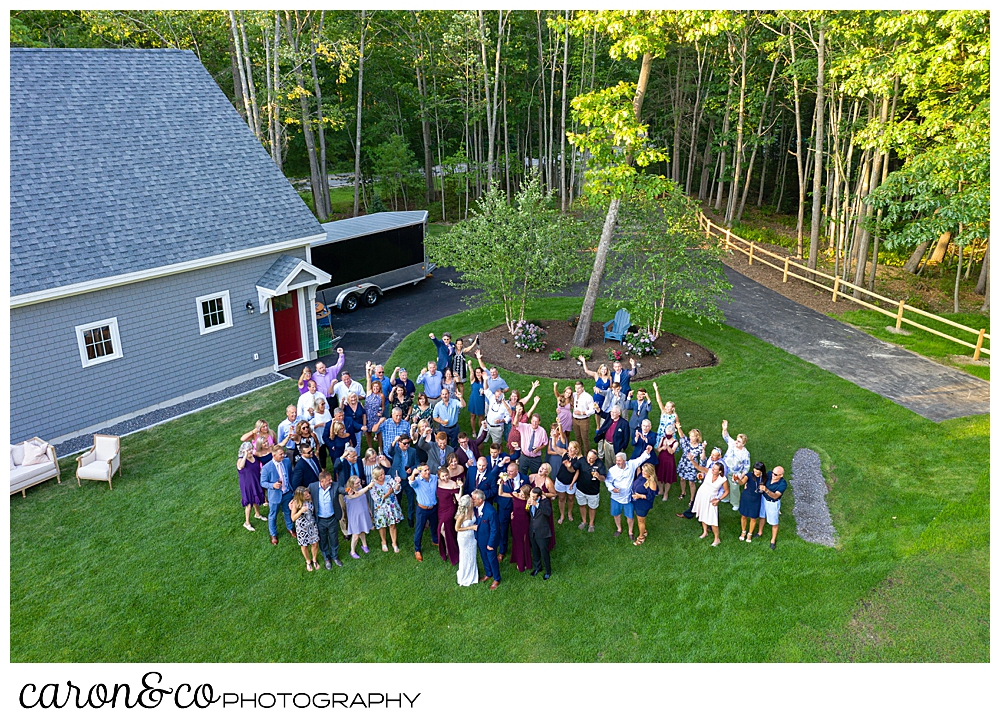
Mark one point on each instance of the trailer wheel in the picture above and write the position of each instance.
(371, 296)
(350, 302)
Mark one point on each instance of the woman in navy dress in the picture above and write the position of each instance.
(602, 382)
(476, 403)
(750, 502)
(643, 495)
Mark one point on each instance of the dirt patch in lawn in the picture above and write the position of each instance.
(676, 353)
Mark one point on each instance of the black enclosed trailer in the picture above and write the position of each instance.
(368, 255)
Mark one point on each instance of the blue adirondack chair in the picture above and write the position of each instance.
(618, 327)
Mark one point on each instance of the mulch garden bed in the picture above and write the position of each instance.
(676, 353)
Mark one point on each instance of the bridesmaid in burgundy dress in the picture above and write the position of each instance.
(666, 465)
(448, 492)
(520, 521)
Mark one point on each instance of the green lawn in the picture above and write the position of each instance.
(160, 569)
(922, 342)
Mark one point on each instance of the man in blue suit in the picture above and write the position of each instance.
(487, 534)
(484, 480)
(404, 461)
(306, 471)
(276, 478)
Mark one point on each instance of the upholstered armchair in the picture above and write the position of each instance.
(102, 461)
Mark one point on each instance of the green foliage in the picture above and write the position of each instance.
(509, 252)
(941, 61)
(615, 140)
(395, 169)
(661, 262)
(578, 351)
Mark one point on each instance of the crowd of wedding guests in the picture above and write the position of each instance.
(497, 493)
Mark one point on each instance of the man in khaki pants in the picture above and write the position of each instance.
(583, 409)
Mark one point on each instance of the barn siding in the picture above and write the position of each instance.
(165, 356)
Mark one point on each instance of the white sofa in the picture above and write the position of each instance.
(101, 461)
(23, 476)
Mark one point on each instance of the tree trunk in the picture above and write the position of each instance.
(582, 334)
(756, 145)
(357, 127)
(986, 284)
(247, 113)
(248, 65)
(913, 263)
(307, 133)
(239, 98)
(984, 272)
(799, 161)
(958, 276)
(425, 125)
(740, 123)
(324, 179)
(563, 191)
(940, 250)
(818, 171)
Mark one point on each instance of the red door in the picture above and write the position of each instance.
(287, 329)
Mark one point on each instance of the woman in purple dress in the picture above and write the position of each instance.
(520, 522)
(251, 493)
(359, 518)
(448, 493)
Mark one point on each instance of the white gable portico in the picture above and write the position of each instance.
(287, 291)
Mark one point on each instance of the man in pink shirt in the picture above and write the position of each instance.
(326, 378)
(533, 443)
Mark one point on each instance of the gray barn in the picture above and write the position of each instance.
(157, 253)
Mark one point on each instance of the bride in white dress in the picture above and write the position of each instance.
(706, 503)
(465, 526)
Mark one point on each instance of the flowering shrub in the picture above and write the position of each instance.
(557, 355)
(615, 354)
(528, 336)
(640, 343)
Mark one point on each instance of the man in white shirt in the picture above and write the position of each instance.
(533, 441)
(497, 414)
(619, 483)
(345, 386)
(306, 407)
(583, 409)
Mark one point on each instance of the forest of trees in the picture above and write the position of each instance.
(871, 126)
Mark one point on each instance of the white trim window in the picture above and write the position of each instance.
(99, 342)
(214, 312)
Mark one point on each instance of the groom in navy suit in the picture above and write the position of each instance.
(487, 535)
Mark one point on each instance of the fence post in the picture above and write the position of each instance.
(727, 239)
(979, 344)
(750, 261)
(899, 314)
(836, 287)
(784, 277)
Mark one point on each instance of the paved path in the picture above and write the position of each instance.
(930, 389)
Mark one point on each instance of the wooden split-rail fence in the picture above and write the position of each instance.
(840, 288)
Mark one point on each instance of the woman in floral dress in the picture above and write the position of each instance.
(306, 531)
(691, 444)
(386, 506)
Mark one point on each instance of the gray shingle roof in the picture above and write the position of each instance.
(278, 272)
(372, 223)
(127, 160)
